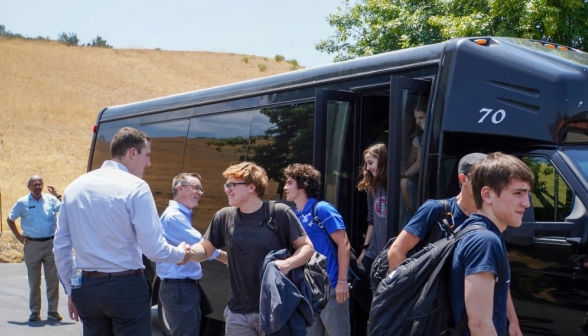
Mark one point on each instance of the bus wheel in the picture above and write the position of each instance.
(208, 326)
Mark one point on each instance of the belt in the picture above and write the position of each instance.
(96, 274)
(182, 280)
(39, 239)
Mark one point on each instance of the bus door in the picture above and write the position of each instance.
(337, 156)
(333, 143)
(407, 145)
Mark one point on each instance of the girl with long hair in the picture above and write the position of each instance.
(374, 182)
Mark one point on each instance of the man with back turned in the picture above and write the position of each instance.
(108, 217)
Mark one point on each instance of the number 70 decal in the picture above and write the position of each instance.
(497, 117)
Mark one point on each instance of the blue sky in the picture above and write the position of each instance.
(290, 28)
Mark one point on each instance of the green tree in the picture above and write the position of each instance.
(99, 42)
(71, 39)
(368, 27)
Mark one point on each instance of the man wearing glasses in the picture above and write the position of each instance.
(179, 291)
(242, 228)
(38, 218)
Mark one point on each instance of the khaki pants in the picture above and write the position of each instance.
(35, 254)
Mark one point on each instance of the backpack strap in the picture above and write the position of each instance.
(445, 216)
(270, 218)
(334, 247)
(463, 230)
(315, 218)
(443, 227)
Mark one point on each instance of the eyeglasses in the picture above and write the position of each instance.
(231, 185)
(195, 187)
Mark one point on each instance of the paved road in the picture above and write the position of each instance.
(14, 308)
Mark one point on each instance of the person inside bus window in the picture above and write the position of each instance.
(410, 177)
(415, 151)
(374, 182)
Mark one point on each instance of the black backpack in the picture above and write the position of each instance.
(315, 273)
(356, 269)
(445, 226)
(414, 299)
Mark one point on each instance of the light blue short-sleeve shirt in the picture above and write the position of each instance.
(38, 219)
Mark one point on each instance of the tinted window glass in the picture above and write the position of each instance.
(102, 145)
(214, 143)
(167, 151)
(578, 157)
(281, 136)
(272, 138)
(336, 174)
(552, 198)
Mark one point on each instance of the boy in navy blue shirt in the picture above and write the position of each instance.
(421, 224)
(480, 273)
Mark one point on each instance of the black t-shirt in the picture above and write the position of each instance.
(248, 242)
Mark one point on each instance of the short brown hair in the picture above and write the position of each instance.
(182, 179)
(306, 177)
(497, 171)
(125, 139)
(251, 174)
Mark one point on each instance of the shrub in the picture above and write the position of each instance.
(262, 67)
(70, 39)
(245, 59)
(99, 42)
(294, 64)
(279, 58)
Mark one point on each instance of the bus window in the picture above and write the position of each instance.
(552, 198)
(167, 147)
(338, 114)
(167, 151)
(101, 150)
(214, 143)
(414, 115)
(271, 137)
(281, 136)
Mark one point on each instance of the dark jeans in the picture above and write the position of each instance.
(181, 302)
(118, 305)
(362, 290)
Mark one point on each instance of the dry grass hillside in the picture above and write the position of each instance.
(50, 95)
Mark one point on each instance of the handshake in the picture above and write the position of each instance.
(188, 253)
(197, 253)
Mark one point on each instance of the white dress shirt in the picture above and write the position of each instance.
(108, 216)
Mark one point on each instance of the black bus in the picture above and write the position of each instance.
(484, 94)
